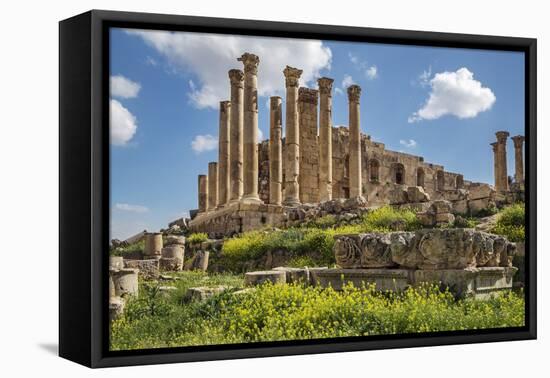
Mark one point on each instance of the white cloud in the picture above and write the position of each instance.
(347, 81)
(203, 143)
(455, 93)
(424, 77)
(151, 61)
(123, 124)
(338, 91)
(410, 143)
(370, 71)
(260, 135)
(131, 208)
(123, 87)
(209, 57)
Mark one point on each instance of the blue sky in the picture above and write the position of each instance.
(440, 103)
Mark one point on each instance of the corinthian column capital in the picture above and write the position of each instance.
(292, 76)
(518, 141)
(354, 93)
(325, 85)
(236, 77)
(250, 62)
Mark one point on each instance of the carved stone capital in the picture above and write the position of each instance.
(292, 76)
(308, 95)
(354, 93)
(495, 146)
(325, 85)
(518, 141)
(250, 62)
(237, 78)
(224, 106)
(502, 136)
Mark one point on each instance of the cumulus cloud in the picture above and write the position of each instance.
(208, 57)
(347, 81)
(131, 208)
(455, 93)
(202, 143)
(123, 124)
(409, 143)
(369, 71)
(123, 87)
(338, 91)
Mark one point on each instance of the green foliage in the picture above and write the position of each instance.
(387, 218)
(311, 242)
(293, 312)
(511, 223)
(486, 212)
(132, 248)
(461, 222)
(197, 237)
(325, 221)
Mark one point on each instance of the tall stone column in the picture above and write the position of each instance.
(212, 186)
(203, 193)
(309, 146)
(502, 137)
(275, 151)
(518, 154)
(495, 165)
(236, 135)
(250, 128)
(223, 154)
(355, 189)
(325, 138)
(292, 138)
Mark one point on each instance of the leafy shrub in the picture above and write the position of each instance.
(197, 237)
(132, 248)
(294, 312)
(511, 223)
(461, 222)
(387, 218)
(325, 221)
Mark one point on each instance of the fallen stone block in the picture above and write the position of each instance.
(383, 279)
(124, 281)
(417, 194)
(258, 278)
(149, 269)
(440, 207)
(116, 307)
(294, 275)
(480, 190)
(201, 293)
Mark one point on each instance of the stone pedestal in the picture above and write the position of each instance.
(223, 153)
(518, 154)
(236, 135)
(275, 151)
(384, 279)
(292, 139)
(203, 193)
(124, 282)
(212, 186)
(250, 128)
(325, 138)
(172, 257)
(355, 182)
(258, 278)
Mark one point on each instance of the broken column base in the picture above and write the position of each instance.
(480, 283)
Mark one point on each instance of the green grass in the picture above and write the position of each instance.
(291, 312)
(511, 223)
(121, 251)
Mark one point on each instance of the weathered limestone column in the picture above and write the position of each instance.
(518, 150)
(203, 193)
(236, 135)
(309, 146)
(355, 189)
(223, 154)
(250, 128)
(502, 136)
(212, 186)
(325, 138)
(275, 151)
(292, 138)
(495, 164)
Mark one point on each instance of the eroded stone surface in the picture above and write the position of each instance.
(260, 277)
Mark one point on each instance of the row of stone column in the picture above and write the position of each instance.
(235, 177)
(500, 160)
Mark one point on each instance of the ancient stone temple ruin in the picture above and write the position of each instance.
(319, 166)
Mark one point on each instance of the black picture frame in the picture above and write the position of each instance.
(84, 186)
